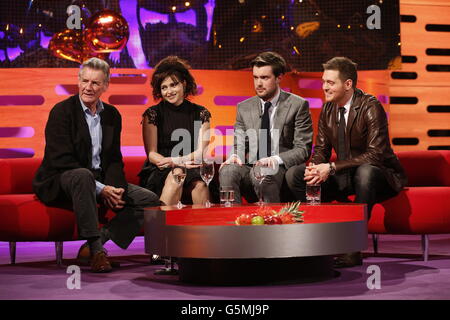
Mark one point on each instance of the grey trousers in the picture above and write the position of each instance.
(241, 179)
(79, 187)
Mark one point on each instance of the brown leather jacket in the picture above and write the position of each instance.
(369, 141)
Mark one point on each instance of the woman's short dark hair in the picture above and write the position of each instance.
(178, 70)
(346, 68)
(272, 59)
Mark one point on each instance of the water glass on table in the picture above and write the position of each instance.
(226, 195)
(207, 174)
(179, 174)
(313, 192)
(260, 172)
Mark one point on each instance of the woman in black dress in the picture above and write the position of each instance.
(175, 131)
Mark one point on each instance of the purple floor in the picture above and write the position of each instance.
(403, 276)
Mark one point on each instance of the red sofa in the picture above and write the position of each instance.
(24, 218)
(423, 208)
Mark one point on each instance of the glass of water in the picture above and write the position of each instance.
(313, 194)
(226, 195)
(207, 174)
(179, 174)
(260, 172)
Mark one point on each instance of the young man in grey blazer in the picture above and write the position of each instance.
(272, 129)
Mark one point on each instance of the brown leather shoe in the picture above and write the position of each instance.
(348, 260)
(84, 256)
(100, 263)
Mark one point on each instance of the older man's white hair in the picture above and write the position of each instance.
(95, 64)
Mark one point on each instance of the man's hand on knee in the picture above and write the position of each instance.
(233, 159)
(112, 197)
(317, 173)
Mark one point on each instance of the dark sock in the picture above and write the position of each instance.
(104, 235)
(95, 245)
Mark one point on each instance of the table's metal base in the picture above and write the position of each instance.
(255, 271)
(212, 250)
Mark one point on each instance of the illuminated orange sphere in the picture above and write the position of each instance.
(107, 31)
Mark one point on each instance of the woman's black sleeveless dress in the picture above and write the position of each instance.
(176, 124)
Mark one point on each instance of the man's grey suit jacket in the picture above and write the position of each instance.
(293, 132)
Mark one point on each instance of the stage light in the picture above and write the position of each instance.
(106, 19)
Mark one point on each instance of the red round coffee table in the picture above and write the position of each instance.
(211, 249)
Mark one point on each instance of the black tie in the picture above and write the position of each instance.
(264, 133)
(341, 135)
(342, 178)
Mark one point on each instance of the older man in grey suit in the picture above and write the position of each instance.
(273, 129)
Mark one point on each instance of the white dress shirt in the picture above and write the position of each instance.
(95, 131)
(347, 110)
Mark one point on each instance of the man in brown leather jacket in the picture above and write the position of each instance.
(354, 124)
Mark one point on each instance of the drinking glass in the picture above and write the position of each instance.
(207, 174)
(179, 175)
(226, 195)
(260, 172)
(313, 194)
(169, 269)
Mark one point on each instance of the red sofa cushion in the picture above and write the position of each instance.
(17, 175)
(417, 210)
(24, 218)
(426, 168)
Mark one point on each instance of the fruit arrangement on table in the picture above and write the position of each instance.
(266, 215)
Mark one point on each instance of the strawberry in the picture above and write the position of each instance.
(264, 211)
(277, 220)
(287, 218)
(244, 219)
(268, 220)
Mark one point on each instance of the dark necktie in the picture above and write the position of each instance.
(341, 135)
(264, 133)
(342, 178)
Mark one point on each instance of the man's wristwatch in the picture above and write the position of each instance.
(332, 169)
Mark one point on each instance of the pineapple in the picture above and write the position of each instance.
(287, 215)
(290, 213)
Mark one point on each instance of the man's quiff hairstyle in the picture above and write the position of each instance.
(272, 59)
(96, 64)
(346, 67)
